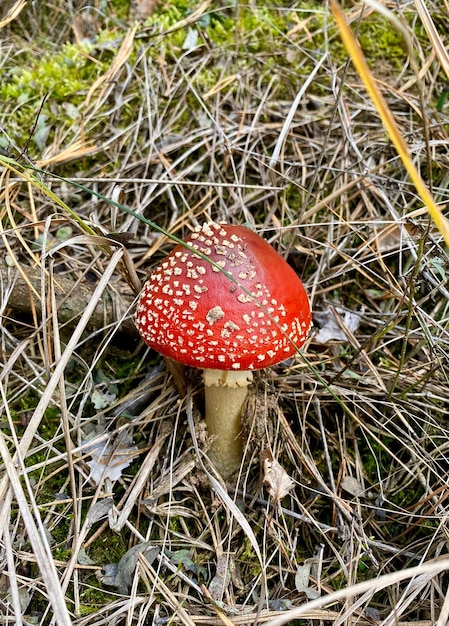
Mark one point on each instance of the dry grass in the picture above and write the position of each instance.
(358, 421)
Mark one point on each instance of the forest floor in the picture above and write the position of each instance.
(123, 125)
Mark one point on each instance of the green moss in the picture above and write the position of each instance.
(109, 548)
(60, 76)
(121, 8)
(58, 80)
(91, 599)
(380, 40)
(221, 30)
(245, 556)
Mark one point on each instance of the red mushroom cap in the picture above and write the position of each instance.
(193, 313)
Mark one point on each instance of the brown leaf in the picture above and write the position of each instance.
(275, 479)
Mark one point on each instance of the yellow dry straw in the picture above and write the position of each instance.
(353, 48)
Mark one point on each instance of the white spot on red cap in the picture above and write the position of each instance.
(215, 314)
(244, 298)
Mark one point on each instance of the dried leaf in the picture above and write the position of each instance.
(332, 328)
(222, 578)
(100, 510)
(280, 604)
(102, 399)
(71, 110)
(191, 39)
(121, 575)
(24, 598)
(276, 479)
(107, 461)
(302, 580)
(372, 614)
(352, 486)
(183, 557)
(108, 575)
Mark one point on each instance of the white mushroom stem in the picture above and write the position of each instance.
(225, 395)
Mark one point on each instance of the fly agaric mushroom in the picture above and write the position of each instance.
(243, 309)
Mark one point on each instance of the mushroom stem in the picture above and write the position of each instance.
(225, 395)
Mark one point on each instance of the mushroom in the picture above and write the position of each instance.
(230, 304)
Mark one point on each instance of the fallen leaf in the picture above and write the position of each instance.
(302, 580)
(183, 557)
(108, 575)
(107, 460)
(333, 322)
(121, 574)
(222, 578)
(101, 399)
(275, 479)
(41, 136)
(100, 510)
(280, 604)
(191, 40)
(352, 486)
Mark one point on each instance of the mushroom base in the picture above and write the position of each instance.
(225, 395)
